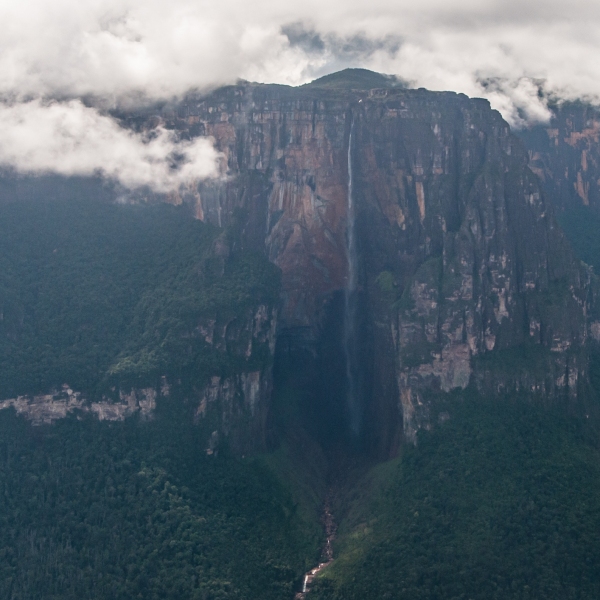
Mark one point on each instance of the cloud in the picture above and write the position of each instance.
(125, 51)
(69, 139)
(115, 48)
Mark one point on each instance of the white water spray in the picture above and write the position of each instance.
(327, 553)
(351, 248)
(351, 305)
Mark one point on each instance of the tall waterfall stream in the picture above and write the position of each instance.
(351, 305)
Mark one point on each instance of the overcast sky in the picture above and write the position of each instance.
(52, 53)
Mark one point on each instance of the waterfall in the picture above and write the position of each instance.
(351, 239)
(351, 306)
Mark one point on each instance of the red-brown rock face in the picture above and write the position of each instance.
(460, 257)
(565, 154)
(287, 167)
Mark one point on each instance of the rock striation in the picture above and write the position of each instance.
(565, 154)
(234, 405)
(465, 277)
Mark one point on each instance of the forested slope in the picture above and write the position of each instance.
(500, 501)
(95, 294)
(138, 510)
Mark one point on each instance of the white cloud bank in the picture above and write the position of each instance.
(69, 139)
(126, 50)
(163, 48)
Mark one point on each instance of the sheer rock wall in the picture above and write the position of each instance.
(463, 267)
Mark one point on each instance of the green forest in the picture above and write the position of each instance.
(95, 294)
(138, 510)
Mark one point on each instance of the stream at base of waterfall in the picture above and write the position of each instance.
(327, 552)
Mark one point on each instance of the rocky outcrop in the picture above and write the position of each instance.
(232, 406)
(239, 404)
(45, 409)
(463, 270)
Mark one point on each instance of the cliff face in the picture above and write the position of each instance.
(460, 275)
(234, 403)
(480, 264)
(286, 181)
(565, 154)
(463, 276)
